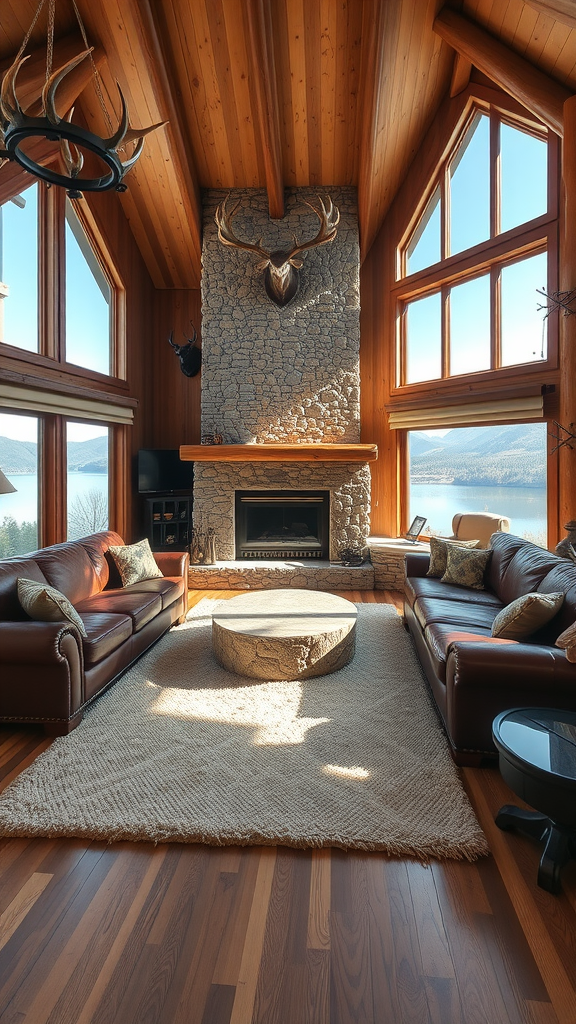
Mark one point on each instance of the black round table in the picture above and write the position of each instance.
(537, 758)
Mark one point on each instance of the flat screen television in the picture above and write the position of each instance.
(160, 471)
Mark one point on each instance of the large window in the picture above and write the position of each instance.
(19, 270)
(88, 300)
(471, 267)
(500, 469)
(87, 478)
(19, 463)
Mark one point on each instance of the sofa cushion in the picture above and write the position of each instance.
(141, 607)
(68, 568)
(467, 614)
(466, 568)
(417, 586)
(135, 562)
(441, 635)
(525, 572)
(525, 615)
(96, 547)
(105, 633)
(170, 588)
(44, 603)
(503, 546)
(439, 553)
(10, 570)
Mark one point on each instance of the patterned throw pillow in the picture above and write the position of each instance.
(525, 615)
(466, 567)
(46, 604)
(439, 553)
(135, 562)
(567, 640)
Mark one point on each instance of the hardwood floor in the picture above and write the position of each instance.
(131, 933)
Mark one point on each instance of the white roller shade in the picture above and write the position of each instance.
(31, 400)
(473, 414)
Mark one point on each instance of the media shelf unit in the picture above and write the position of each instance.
(168, 521)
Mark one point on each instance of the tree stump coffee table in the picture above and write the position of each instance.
(284, 634)
(537, 758)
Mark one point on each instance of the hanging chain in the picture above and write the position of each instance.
(97, 85)
(50, 37)
(29, 32)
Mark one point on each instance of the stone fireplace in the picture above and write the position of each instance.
(284, 375)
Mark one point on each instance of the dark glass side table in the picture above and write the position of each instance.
(537, 759)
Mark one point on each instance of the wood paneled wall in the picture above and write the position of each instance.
(175, 416)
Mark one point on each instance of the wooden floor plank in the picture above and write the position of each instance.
(319, 903)
(24, 900)
(254, 939)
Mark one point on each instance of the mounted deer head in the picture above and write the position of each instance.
(280, 267)
(190, 355)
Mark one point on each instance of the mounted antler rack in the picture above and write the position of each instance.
(562, 441)
(558, 300)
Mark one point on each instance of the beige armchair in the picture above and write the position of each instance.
(478, 526)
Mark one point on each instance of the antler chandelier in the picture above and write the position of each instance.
(17, 127)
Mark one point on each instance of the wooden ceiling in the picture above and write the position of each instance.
(276, 93)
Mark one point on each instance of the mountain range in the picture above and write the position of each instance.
(83, 456)
(503, 456)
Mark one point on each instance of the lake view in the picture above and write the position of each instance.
(524, 506)
(22, 504)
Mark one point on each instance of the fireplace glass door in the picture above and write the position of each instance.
(282, 524)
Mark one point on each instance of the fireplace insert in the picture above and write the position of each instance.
(282, 524)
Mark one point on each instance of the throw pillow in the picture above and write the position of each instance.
(465, 567)
(439, 553)
(525, 615)
(46, 604)
(135, 562)
(567, 640)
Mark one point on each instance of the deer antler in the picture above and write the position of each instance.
(329, 219)
(226, 235)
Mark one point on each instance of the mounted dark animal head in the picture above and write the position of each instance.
(280, 268)
(190, 355)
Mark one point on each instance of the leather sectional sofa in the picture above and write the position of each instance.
(473, 676)
(49, 674)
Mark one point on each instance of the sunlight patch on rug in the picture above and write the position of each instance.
(179, 749)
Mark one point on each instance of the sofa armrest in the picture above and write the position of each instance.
(42, 671)
(485, 678)
(173, 563)
(417, 563)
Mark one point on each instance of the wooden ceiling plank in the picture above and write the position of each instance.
(330, 67)
(222, 170)
(312, 52)
(297, 64)
(233, 140)
(179, 30)
(542, 31)
(524, 30)
(536, 91)
(240, 68)
(348, 88)
(262, 60)
(560, 10)
(130, 37)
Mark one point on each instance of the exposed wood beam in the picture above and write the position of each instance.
(261, 44)
(532, 88)
(460, 74)
(32, 74)
(560, 10)
(163, 201)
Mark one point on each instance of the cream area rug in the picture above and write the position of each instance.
(180, 749)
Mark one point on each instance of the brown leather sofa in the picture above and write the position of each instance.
(474, 676)
(49, 674)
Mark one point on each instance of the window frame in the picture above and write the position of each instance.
(530, 238)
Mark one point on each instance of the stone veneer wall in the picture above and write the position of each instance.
(282, 375)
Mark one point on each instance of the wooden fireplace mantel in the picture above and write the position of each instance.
(279, 452)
